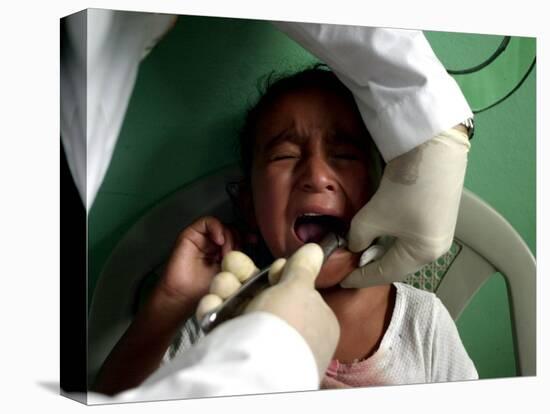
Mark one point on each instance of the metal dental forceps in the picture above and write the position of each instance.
(254, 285)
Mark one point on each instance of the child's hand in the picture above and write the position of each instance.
(195, 259)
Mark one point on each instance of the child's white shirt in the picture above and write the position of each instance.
(421, 345)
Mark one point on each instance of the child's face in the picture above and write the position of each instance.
(310, 174)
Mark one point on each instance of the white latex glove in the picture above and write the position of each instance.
(417, 203)
(293, 298)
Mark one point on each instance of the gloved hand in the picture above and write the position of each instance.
(417, 203)
(293, 298)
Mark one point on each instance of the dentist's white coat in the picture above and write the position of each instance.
(250, 354)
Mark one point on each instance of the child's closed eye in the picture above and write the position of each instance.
(346, 151)
(347, 156)
(285, 151)
(287, 156)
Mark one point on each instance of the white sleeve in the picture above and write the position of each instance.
(100, 55)
(403, 92)
(450, 361)
(247, 355)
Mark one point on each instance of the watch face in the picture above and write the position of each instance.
(469, 123)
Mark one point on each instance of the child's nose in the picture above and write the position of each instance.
(317, 175)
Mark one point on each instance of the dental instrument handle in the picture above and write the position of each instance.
(257, 283)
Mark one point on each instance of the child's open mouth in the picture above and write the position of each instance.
(312, 227)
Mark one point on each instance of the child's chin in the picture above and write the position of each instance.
(336, 269)
(326, 284)
(330, 277)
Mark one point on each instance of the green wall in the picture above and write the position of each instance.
(187, 107)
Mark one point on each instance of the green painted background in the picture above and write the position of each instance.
(187, 107)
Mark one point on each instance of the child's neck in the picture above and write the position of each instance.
(364, 316)
(350, 305)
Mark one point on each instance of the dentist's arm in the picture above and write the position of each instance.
(288, 324)
(413, 110)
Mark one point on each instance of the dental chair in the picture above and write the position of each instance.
(484, 243)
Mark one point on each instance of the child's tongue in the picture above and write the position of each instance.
(311, 232)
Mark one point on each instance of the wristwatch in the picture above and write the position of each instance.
(469, 124)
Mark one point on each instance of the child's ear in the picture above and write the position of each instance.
(247, 208)
(243, 206)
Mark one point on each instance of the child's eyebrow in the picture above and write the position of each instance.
(287, 134)
(335, 137)
(339, 138)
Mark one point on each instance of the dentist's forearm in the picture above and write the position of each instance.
(139, 352)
